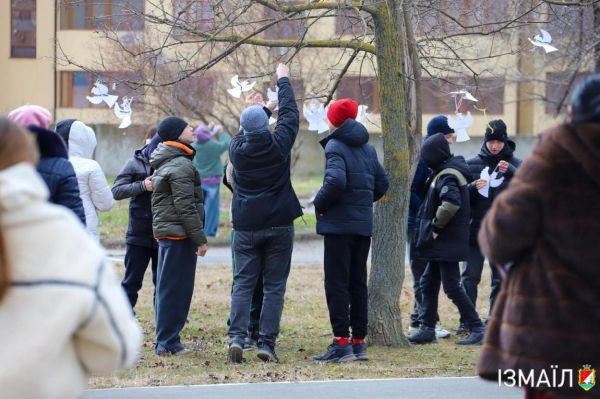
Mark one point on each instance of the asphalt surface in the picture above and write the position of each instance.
(408, 388)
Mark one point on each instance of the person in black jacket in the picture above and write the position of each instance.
(442, 239)
(135, 181)
(497, 151)
(354, 179)
(54, 166)
(264, 207)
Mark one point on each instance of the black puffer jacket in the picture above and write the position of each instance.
(177, 197)
(480, 204)
(57, 171)
(130, 184)
(448, 183)
(354, 179)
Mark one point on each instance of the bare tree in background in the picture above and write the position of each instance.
(437, 44)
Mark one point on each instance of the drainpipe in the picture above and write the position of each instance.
(56, 11)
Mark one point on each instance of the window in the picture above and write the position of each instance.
(194, 94)
(436, 97)
(350, 22)
(290, 30)
(198, 14)
(99, 14)
(362, 89)
(558, 89)
(23, 28)
(76, 86)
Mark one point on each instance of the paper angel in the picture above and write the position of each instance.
(362, 115)
(464, 95)
(492, 181)
(124, 112)
(238, 87)
(543, 42)
(100, 92)
(460, 124)
(272, 96)
(272, 120)
(316, 117)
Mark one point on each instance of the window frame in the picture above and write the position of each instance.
(90, 16)
(12, 10)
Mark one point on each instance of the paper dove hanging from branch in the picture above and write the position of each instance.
(316, 115)
(239, 88)
(273, 96)
(363, 115)
(459, 125)
(124, 112)
(543, 42)
(492, 181)
(100, 92)
(463, 95)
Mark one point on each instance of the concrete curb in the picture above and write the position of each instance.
(212, 241)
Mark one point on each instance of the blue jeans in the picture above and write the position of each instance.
(174, 290)
(266, 253)
(211, 208)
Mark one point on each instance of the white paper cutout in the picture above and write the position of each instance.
(214, 130)
(362, 115)
(464, 95)
(459, 125)
(100, 92)
(124, 112)
(543, 42)
(238, 87)
(273, 96)
(272, 120)
(316, 115)
(492, 181)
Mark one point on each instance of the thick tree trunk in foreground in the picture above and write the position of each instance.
(387, 272)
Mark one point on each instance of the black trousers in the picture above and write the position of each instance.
(346, 283)
(137, 258)
(417, 268)
(448, 275)
(471, 275)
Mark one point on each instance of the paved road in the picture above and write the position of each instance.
(408, 388)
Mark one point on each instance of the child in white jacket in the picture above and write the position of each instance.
(94, 190)
(63, 314)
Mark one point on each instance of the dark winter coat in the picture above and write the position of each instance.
(130, 184)
(263, 195)
(417, 189)
(354, 179)
(57, 171)
(177, 197)
(480, 204)
(548, 223)
(447, 184)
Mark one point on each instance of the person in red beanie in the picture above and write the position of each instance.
(354, 179)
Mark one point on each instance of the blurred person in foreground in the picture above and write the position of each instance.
(545, 229)
(63, 315)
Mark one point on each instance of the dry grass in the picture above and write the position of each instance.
(305, 331)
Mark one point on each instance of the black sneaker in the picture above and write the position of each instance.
(474, 338)
(337, 353)
(250, 344)
(360, 351)
(462, 329)
(425, 335)
(235, 354)
(266, 353)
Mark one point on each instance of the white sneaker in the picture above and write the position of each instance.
(441, 332)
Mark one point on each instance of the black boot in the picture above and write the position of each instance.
(425, 335)
(475, 337)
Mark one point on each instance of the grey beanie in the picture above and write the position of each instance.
(170, 128)
(254, 119)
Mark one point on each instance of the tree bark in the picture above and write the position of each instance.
(390, 219)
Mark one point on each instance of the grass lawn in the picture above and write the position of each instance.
(305, 331)
(113, 224)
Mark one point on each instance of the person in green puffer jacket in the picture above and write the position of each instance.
(178, 225)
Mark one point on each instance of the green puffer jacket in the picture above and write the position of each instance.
(177, 198)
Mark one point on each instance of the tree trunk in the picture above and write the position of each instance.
(390, 219)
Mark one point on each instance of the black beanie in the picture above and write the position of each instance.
(499, 132)
(170, 128)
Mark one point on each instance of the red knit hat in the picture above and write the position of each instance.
(342, 110)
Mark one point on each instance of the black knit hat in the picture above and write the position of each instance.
(170, 128)
(499, 132)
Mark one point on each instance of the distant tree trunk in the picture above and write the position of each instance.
(597, 31)
(387, 272)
